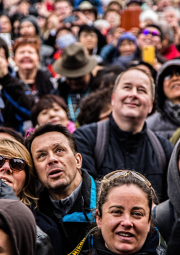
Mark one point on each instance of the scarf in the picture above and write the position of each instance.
(172, 111)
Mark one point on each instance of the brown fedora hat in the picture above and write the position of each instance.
(74, 62)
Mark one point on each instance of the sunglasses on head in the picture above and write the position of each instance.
(123, 173)
(170, 74)
(153, 33)
(16, 164)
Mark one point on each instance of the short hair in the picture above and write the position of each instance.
(49, 127)
(167, 30)
(87, 28)
(13, 148)
(63, 28)
(13, 133)
(46, 102)
(3, 45)
(27, 40)
(93, 105)
(137, 69)
(110, 10)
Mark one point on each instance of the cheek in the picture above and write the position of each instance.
(18, 181)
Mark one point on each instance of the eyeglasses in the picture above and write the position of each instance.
(153, 33)
(171, 74)
(123, 173)
(16, 164)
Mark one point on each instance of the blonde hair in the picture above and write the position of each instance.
(13, 148)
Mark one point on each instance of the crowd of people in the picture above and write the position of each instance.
(89, 127)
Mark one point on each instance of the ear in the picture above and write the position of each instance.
(151, 107)
(98, 219)
(112, 99)
(78, 159)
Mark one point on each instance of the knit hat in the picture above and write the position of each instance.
(127, 36)
(148, 15)
(32, 20)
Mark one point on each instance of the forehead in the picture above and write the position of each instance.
(49, 140)
(152, 29)
(25, 47)
(135, 77)
(26, 24)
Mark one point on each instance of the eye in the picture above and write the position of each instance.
(41, 155)
(59, 150)
(116, 212)
(137, 214)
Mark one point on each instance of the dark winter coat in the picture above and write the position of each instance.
(125, 151)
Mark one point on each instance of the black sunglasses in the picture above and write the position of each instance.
(16, 164)
(170, 74)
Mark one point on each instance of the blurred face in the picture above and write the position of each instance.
(26, 57)
(41, 21)
(55, 163)
(12, 178)
(125, 219)
(62, 9)
(55, 115)
(113, 18)
(78, 83)
(27, 29)
(88, 39)
(89, 14)
(5, 24)
(6, 246)
(132, 98)
(171, 85)
(127, 48)
(170, 16)
(150, 36)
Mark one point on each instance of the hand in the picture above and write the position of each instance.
(82, 19)
(3, 67)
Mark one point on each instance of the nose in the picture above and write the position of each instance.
(51, 113)
(6, 168)
(52, 158)
(126, 221)
(133, 92)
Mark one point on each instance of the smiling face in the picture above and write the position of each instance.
(132, 98)
(26, 57)
(171, 86)
(125, 219)
(55, 115)
(56, 165)
(14, 179)
(146, 38)
(127, 48)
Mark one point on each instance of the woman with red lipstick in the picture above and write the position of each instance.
(123, 216)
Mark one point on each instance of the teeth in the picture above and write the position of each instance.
(3, 180)
(123, 234)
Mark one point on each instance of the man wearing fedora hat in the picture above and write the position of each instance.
(76, 66)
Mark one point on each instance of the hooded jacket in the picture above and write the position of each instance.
(21, 225)
(161, 121)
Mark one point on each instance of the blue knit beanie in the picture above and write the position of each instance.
(127, 36)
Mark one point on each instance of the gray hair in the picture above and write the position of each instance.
(171, 8)
(167, 30)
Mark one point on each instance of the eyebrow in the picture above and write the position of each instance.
(54, 146)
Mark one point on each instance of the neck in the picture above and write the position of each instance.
(28, 76)
(128, 124)
(61, 193)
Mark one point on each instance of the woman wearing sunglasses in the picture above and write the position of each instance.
(16, 170)
(123, 216)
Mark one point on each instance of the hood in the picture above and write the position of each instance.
(160, 97)
(174, 179)
(21, 225)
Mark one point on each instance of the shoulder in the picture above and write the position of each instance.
(166, 144)
(86, 130)
(153, 118)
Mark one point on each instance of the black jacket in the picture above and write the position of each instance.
(125, 151)
(149, 247)
(72, 227)
(16, 101)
